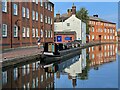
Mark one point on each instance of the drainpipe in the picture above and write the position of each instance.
(11, 24)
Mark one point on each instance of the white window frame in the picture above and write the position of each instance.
(33, 15)
(4, 6)
(15, 35)
(33, 32)
(51, 35)
(33, 0)
(4, 28)
(46, 5)
(36, 32)
(23, 32)
(23, 11)
(49, 32)
(27, 12)
(15, 6)
(36, 1)
(51, 20)
(41, 17)
(51, 8)
(36, 16)
(28, 32)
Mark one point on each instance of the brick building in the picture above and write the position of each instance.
(101, 30)
(27, 76)
(28, 21)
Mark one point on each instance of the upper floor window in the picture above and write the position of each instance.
(46, 5)
(27, 13)
(92, 29)
(41, 18)
(41, 3)
(51, 8)
(33, 15)
(4, 30)
(15, 31)
(51, 35)
(36, 1)
(23, 32)
(68, 24)
(36, 16)
(15, 9)
(23, 12)
(4, 6)
(45, 19)
(46, 33)
(51, 20)
(48, 20)
(33, 0)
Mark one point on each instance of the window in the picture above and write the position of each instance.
(46, 33)
(46, 5)
(15, 73)
(45, 19)
(41, 3)
(51, 20)
(33, 15)
(23, 12)
(36, 16)
(4, 6)
(27, 13)
(49, 7)
(28, 69)
(4, 30)
(36, 1)
(93, 37)
(33, 32)
(23, 70)
(33, 66)
(49, 34)
(23, 32)
(15, 31)
(41, 33)
(92, 56)
(28, 32)
(36, 32)
(41, 18)
(33, 83)
(33, 0)
(68, 24)
(41, 78)
(4, 77)
(28, 85)
(36, 81)
(105, 37)
(15, 9)
(105, 30)
(48, 20)
(92, 29)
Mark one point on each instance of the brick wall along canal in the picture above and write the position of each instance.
(95, 67)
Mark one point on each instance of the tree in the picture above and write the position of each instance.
(82, 14)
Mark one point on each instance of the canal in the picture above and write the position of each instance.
(94, 67)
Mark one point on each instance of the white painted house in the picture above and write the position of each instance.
(69, 23)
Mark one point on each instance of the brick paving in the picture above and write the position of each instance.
(20, 52)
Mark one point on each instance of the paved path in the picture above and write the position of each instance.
(20, 52)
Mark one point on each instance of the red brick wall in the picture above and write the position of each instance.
(24, 22)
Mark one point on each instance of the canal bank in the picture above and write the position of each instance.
(27, 54)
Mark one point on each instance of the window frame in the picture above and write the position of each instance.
(15, 9)
(4, 30)
(5, 6)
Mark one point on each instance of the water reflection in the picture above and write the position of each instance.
(32, 75)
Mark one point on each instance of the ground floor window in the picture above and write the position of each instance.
(15, 31)
(4, 30)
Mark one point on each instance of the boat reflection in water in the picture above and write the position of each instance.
(32, 75)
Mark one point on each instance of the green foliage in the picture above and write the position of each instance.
(82, 14)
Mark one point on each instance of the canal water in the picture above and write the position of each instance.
(94, 67)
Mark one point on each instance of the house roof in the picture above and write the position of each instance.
(99, 19)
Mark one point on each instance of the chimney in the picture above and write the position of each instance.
(58, 15)
(95, 15)
(73, 9)
(69, 12)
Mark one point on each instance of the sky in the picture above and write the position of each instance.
(105, 10)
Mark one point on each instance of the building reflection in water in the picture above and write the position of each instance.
(102, 54)
(27, 76)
